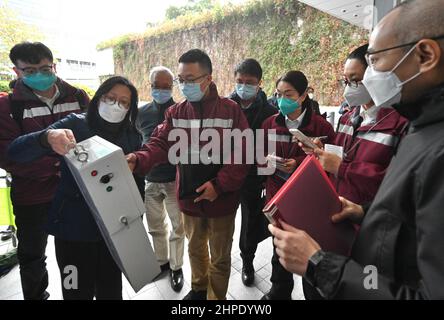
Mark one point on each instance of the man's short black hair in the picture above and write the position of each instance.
(30, 52)
(249, 67)
(198, 56)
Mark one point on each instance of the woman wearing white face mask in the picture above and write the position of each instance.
(367, 136)
(78, 242)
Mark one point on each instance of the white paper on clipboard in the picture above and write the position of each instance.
(337, 150)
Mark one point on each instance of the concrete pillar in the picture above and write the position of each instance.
(382, 7)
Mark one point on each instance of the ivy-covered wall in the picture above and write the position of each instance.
(282, 35)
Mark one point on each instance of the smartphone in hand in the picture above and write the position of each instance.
(306, 141)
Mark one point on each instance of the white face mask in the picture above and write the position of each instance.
(385, 87)
(357, 96)
(112, 113)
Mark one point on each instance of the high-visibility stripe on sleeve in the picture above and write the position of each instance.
(379, 137)
(346, 129)
(279, 138)
(206, 123)
(45, 111)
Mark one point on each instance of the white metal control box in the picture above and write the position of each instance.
(103, 176)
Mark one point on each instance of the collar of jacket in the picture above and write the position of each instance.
(432, 107)
(389, 117)
(280, 119)
(23, 93)
(163, 106)
(392, 118)
(261, 99)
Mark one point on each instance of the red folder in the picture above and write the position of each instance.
(307, 201)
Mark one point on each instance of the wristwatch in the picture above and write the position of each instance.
(313, 263)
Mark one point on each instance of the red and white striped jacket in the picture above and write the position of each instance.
(368, 151)
(216, 113)
(312, 126)
(34, 183)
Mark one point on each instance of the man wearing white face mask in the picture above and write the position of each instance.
(366, 140)
(398, 253)
(160, 190)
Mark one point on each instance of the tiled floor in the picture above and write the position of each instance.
(10, 288)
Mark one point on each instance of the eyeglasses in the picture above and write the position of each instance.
(371, 62)
(182, 81)
(112, 100)
(248, 83)
(153, 86)
(347, 83)
(286, 94)
(45, 69)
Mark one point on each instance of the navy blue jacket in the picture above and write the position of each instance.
(148, 118)
(256, 114)
(69, 217)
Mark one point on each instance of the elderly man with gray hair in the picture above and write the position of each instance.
(160, 190)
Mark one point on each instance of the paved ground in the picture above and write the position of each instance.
(10, 288)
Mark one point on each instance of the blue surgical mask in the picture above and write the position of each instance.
(287, 106)
(192, 91)
(161, 96)
(40, 81)
(246, 91)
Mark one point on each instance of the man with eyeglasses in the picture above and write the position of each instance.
(208, 192)
(253, 102)
(39, 99)
(398, 253)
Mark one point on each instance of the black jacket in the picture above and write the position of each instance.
(256, 114)
(402, 234)
(148, 118)
(70, 218)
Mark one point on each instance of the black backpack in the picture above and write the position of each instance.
(17, 109)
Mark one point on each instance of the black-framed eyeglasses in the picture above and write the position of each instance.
(182, 81)
(112, 100)
(347, 83)
(368, 54)
(43, 69)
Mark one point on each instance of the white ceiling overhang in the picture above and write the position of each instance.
(357, 12)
